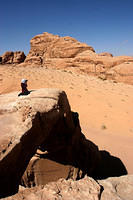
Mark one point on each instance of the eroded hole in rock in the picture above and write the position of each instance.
(64, 154)
(70, 156)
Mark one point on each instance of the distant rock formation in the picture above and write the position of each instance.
(11, 57)
(67, 53)
(47, 48)
(42, 120)
(121, 73)
(105, 54)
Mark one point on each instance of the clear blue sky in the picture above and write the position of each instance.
(106, 25)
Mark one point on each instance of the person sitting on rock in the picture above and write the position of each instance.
(24, 87)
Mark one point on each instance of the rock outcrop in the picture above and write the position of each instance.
(121, 73)
(67, 53)
(117, 188)
(42, 120)
(48, 48)
(11, 57)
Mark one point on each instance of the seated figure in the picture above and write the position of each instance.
(24, 87)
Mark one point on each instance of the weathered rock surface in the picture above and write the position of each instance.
(41, 171)
(117, 188)
(85, 188)
(67, 53)
(11, 57)
(122, 73)
(43, 120)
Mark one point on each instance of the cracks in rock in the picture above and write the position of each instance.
(101, 191)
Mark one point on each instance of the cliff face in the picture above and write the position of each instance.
(42, 120)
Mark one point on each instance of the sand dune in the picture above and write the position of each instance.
(104, 107)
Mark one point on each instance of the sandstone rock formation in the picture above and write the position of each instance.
(117, 188)
(43, 120)
(121, 73)
(44, 168)
(67, 53)
(11, 57)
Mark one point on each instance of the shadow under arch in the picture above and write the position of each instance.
(83, 154)
(110, 166)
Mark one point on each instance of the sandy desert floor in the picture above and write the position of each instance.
(105, 108)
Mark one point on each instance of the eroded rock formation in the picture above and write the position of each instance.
(67, 53)
(11, 57)
(42, 120)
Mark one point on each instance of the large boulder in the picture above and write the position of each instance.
(11, 57)
(42, 120)
(117, 188)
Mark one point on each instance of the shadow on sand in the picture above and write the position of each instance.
(110, 166)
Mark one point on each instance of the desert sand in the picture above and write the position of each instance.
(104, 107)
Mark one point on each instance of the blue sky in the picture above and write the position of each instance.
(106, 25)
